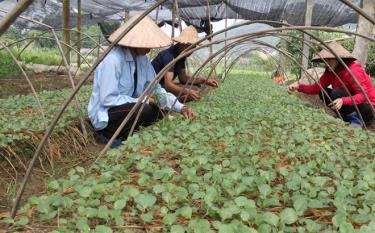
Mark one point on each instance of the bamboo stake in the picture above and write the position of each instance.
(67, 67)
(178, 16)
(210, 29)
(308, 19)
(79, 33)
(173, 17)
(66, 24)
(10, 17)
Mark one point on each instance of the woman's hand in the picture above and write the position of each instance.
(292, 87)
(192, 94)
(188, 113)
(336, 104)
(212, 82)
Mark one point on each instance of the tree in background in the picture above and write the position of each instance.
(370, 61)
(294, 47)
(364, 27)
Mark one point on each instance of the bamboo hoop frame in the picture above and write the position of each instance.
(144, 97)
(324, 61)
(281, 36)
(164, 70)
(160, 75)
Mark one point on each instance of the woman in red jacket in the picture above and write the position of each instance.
(341, 99)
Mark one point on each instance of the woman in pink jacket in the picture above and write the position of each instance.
(341, 99)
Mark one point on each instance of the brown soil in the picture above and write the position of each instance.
(18, 85)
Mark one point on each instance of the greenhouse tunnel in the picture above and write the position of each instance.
(255, 42)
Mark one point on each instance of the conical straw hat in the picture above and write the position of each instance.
(146, 34)
(188, 36)
(326, 54)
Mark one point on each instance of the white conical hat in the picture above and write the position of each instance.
(326, 54)
(188, 36)
(146, 34)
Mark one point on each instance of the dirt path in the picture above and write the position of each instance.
(42, 82)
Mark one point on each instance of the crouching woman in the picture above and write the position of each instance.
(345, 93)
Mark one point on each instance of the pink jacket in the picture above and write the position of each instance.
(328, 78)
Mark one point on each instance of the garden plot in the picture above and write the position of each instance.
(255, 160)
(21, 119)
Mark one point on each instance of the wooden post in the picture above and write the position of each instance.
(12, 15)
(99, 45)
(364, 27)
(79, 33)
(226, 36)
(127, 15)
(281, 65)
(210, 31)
(306, 49)
(66, 24)
(178, 16)
(173, 16)
(157, 15)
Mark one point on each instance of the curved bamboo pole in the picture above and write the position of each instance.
(24, 48)
(33, 39)
(245, 53)
(60, 29)
(359, 10)
(67, 67)
(84, 57)
(35, 94)
(41, 37)
(178, 16)
(12, 15)
(50, 28)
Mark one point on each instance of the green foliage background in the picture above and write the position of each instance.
(370, 64)
(42, 51)
(294, 46)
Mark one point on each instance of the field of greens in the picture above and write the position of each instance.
(21, 120)
(255, 160)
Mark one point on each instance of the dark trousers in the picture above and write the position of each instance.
(150, 114)
(364, 109)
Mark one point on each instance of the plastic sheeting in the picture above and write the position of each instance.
(325, 12)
